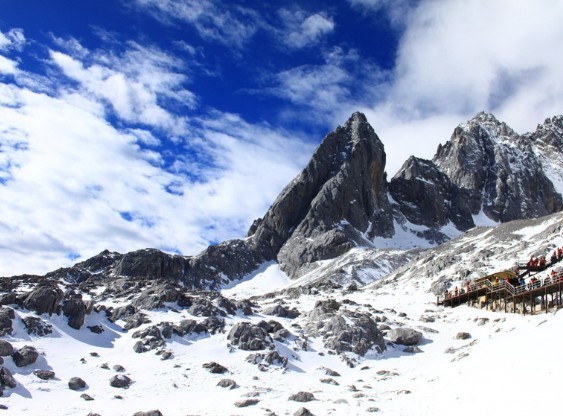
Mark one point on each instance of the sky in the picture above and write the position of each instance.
(174, 124)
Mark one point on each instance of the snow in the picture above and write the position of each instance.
(481, 220)
(268, 278)
(509, 366)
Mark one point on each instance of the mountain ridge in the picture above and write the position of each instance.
(342, 200)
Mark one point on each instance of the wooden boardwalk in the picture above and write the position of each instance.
(501, 295)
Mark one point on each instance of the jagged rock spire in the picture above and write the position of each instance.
(341, 193)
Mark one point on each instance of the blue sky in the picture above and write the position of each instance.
(174, 124)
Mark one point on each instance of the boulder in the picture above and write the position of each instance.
(227, 383)
(249, 337)
(37, 326)
(149, 413)
(25, 356)
(6, 317)
(6, 349)
(120, 381)
(302, 396)
(303, 411)
(75, 310)
(44, 374)
(246, 402)
(281, 311)
(6, 378)
(215, 368)
(76, 383)
(44, 298)
(404, 336)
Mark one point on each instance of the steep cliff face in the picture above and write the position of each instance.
(547, 142)
(427, 197)
(338, 199)
(500, 170)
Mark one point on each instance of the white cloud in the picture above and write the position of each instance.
(13, 39)
(131, 83)
(299, 30)
(7, 66)
(457, 58)
(73, 184)
(213, 20)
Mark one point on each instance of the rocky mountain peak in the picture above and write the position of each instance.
(341, 194)
(500, 170)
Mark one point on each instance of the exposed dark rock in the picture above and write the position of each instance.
(245, 306)
(36, 326)
(86, 397)
(6, 317)
(135, 321)
(412, 349)
(249, 337)
(427, 197)
(346, 331)
(302, 396)
(44, 374)
(463, 335)
(203, 307)
(499, 168)
(44, 298)
(404, 336)
(149, 413)
(139, 347)
(213, 325)
(152, 264)
(266, 359)
(120, 381)
(76, 383)
(156, 296)
(118, 368)
(7, 379)
(303, 411)
(188, 326)
(75, 310)
(96, 329)
(247, 402)
(25, 356)
(329, 381)
(331, 373)
(6, 349)
(215, 368)
(9, 298)
(314, 217)
(227, 383)
(281, 311)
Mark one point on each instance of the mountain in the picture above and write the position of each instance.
(486, 173)
(326, 307)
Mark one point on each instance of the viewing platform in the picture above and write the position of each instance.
(503, 291)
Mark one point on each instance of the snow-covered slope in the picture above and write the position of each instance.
(321, 320)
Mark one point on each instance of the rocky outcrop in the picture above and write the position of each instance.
(249, 337)
(425, 196)
(500, 170)
(339, 197)
(25, 356)
(7, 315)
(343, 330)
(44, 298)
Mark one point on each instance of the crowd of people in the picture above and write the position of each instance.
(518, 281)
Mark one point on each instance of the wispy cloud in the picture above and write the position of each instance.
(76, 179)
(13, 39)
(214, 20)
(300, 29)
